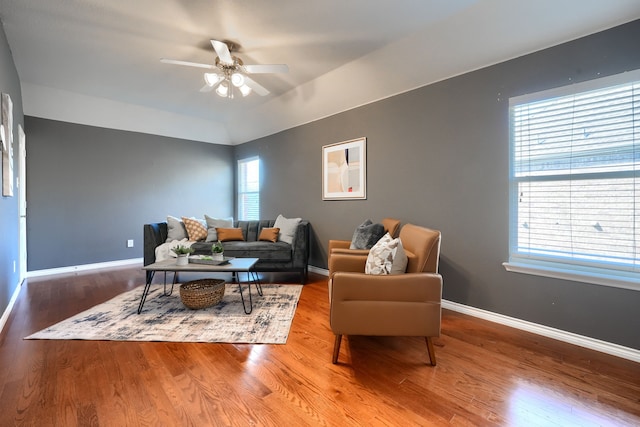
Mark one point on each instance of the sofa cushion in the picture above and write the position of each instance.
(269, 234)
(195, 229)
(213, 223)
(386, 257)
(288, 227)
(278, 251)
(366, 235)
(229, 234)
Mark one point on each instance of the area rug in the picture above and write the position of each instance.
(165, 318)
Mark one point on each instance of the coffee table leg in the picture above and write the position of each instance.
(252, 277)
(145, 292)
(242, 298)
(256, 281)
(175, 279)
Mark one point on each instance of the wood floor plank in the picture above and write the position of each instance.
(487, 374)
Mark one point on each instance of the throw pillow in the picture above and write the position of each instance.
(195, 229)
(288, 227)
(386, 257)
(366, 235)
(175, 229)
(229, 234)
(213, 223)
(269, 234)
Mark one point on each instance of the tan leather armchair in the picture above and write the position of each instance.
(391, 226)
(389, 305)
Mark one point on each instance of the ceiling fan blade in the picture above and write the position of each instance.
(222, 50)
(206, 88)
(266, 68)
(255, 86)
(188, 64)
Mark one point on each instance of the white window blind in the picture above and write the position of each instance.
(575, 177)
(249, 189)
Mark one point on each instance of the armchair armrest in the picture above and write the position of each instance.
(342, 247)
(338, 244)
(364, 252)
(346, 262)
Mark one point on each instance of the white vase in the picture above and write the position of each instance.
(183, 259)
(217, 256)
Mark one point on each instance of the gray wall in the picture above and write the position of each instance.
(90, 189)
(9, 245)
(438, 156)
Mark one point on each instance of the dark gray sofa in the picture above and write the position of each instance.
(274, 257)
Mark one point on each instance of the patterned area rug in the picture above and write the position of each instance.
(165, 318)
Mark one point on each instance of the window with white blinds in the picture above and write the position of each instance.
(249, 189)
(575, 179)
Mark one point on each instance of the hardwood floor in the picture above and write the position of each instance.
(487, 374)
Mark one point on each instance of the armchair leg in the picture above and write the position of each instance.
(336, 349)
(432, 353)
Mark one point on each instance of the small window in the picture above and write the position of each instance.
(249, 189)
(575, 181)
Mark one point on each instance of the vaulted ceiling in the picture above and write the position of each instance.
(97, 62)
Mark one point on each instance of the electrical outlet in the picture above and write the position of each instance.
(130, 243)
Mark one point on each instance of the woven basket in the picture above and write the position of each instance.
(202, 293)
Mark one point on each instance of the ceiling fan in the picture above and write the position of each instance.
(230, 73)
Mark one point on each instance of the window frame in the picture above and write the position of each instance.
(241, 184)
(557, 269)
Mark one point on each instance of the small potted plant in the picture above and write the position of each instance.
(183, 254)
(217, 251)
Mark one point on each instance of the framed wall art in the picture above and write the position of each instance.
(7, 145)
(344, 170)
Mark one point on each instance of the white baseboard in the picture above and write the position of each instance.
(12, 301)
(85, 267)
(560, 335)
(557, 334)
(318, 270)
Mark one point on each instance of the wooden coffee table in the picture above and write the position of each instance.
(235, 265)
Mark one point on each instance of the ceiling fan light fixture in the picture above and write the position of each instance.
(237, 79)
(245, 90)
(223, 89)
(211, 79)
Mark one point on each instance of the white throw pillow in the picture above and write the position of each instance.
(387, 257)
(288, 227)
(212, 223)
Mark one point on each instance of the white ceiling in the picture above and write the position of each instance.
(97, 62)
